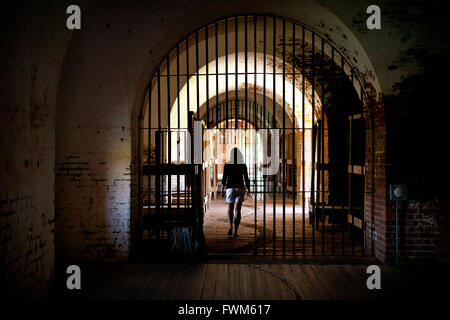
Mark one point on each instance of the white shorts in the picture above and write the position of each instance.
(235, 195)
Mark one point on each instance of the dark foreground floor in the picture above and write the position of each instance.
(289, 281)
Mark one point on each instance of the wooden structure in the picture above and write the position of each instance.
(165, 219)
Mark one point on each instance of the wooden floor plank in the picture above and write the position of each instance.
(185, 282)
(308, 290)
(246, 284)
(344, 284)
(126, 280)
(233, 283)
(272, 288)
(259, 290)
(148, 280)
(197, 275)
(221, 282)
(357, 285)
(164, 275)
(324, 275)
(288, 274)
(209, 285)
(104, 286)
(174, 282)
(285, 291)
(324, 292)
(149, 290)
(270, 284)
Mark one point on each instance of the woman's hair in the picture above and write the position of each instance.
(236, 156)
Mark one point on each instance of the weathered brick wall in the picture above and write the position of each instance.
(92, 204)
(375, 178)
(375, 203)
(423, 235)
(32, 49)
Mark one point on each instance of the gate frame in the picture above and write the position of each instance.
(367, 107)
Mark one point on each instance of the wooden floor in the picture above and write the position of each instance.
(324, 242)
(228, 281)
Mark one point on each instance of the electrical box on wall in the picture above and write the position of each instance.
(398, 192)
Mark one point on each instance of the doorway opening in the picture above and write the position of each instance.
(292, 104)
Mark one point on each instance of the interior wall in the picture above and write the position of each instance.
(33, 43)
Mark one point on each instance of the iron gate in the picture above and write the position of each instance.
(272, 87)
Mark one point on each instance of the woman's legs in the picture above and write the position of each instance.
(230, 216)
(237, 217)
(234, 214)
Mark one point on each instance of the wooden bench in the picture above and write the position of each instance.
(336, 211)
(167, 217)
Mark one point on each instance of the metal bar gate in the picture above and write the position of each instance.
(294, 106)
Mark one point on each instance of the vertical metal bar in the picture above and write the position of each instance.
(236, 72)
(187, 198)
(350, 161)
(197, 74)
(264, 115)
(303, 143)
(273, 126)
(149, 180)
(159, 106)
(196, 187)
(178, 125)
(323, 144)
(207, 177)
(246, 72)
(294, 164)
(207, 76)
(226, 72)
(318, 157)
(333, 246)
(217, 73)
(188, 100)
(343, 213)
(313, 155)
(140, 203)
(169, 153)
(158, 159)
(255, 125)
(396, 233)
(192, 173)
(283, 145)
(363, 226)
(350, 182)
(245, 100)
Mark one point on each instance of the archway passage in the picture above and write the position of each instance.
(293, 105)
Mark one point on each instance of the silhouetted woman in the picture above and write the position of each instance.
(235, 181)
